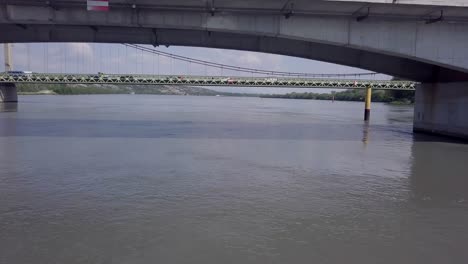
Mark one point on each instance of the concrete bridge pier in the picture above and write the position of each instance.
(442, 108)
(8, 93)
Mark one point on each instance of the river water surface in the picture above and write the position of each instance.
(182, 179)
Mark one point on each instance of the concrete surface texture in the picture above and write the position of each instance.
(396, 39)
(8, 93)
(442, 108)
(414, 2)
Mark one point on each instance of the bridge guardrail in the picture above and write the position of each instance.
(205, 81)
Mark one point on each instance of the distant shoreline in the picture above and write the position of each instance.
(230, 95)
(397, 97)
(391, 97)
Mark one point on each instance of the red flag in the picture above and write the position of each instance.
(98, 5)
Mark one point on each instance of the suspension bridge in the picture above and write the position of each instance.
(203, 81)
(258, 78)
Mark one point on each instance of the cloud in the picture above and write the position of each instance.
(236, 58)
(80, 49)
(249, 59)
(116, 58)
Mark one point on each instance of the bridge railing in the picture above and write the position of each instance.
(268, 81)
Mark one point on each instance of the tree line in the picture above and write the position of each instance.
(386, 96)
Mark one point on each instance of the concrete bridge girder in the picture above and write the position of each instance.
(405, 48)
(402, 67)
(413, 2)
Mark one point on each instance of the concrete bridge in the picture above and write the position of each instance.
(420, 40)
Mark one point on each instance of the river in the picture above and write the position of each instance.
(186, 179)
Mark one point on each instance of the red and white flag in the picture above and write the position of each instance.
(98, 5)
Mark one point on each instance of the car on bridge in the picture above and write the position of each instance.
(127, 78)
(19, 73)
(100, 76)
(228, 80)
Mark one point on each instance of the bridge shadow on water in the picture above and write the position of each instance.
(8, 107)
(438, 170)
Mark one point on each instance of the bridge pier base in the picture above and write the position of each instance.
(442, 109)
(8, 93)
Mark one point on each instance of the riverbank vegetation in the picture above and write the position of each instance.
(68, 89)
(386, 96)
(75, 89)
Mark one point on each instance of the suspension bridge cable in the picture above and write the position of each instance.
(44, 46)
(28, 57)
(238, 68)
(153, 63)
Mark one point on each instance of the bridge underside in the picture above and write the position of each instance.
(397, 39)
(378, 62)
(442, 108)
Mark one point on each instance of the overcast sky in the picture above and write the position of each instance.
(116, 58)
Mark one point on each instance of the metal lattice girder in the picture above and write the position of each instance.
(205, 81)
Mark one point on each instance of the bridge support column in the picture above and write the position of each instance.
(442, 108)
(8, 93)
(367, 104)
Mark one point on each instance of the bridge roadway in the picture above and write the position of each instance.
(206, 81)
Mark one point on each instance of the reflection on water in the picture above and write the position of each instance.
(439, 169)
(8, 107)
(143, 179)
(365, 132)
(7, 125)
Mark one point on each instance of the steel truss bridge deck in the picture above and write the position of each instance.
(205, 81)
